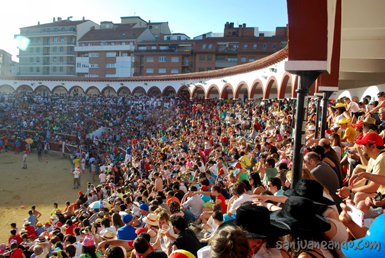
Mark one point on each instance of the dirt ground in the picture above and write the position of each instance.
(42, 184)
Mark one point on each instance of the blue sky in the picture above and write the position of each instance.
(192, 18)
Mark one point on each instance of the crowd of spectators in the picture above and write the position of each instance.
(181, 178)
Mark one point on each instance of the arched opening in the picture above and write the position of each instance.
(198, 92)
(184, 92)
(109, 91)
(169, 91)
(286, 87)
(76, 91)
(227, 92)
(43, 90)
(271, 91)
(139, 91)
(124, 91)
(242, 91)
(24, 88)
(154, 91)
(59, 90)
(6, 89)
(92, 91)
(256, 91)
(213, 92)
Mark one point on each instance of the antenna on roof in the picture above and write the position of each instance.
(237, 23)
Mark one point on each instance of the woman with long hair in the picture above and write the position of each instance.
(117, 221)
(256, 183)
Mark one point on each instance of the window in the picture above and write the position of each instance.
(175, 59)
(202, 58)
(107, 26)
(264, 46)
(178, 37)
(31, 59)
(94, 55)
(149, 70)
(221, 58)
(38, 50)
(232, 59)
(54, 49)
(163, 47)
(243, 59)
(209, 58)
(38, 40)
(62, 39)
(38, 69)
(112, 65)
(174, 70)
(162, 59)
(162, 70)
(94, 65)
(31, 69)
(142, 48)
(210, 46)
(61, 69)
(168, 38)
(201, 69)
(61, 59)
(61, 49)
(204, 46)
(55, 39)
(92, 75)
(153, 47)
(37, 59)
(245, 46)
(209, 69)
(274, 46)
(111, 54)
(54, 59)
(54, 69)
(251, 58)
(31, 50)
(149, 59)
(255, 46)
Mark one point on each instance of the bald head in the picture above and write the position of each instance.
(324, 143)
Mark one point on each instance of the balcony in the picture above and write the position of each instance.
(223, 64)
(223, 49)
(138, 63)
(186, 63)
(104, 48)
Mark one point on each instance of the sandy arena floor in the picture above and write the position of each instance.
(42, 184)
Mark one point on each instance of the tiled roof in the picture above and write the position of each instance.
(58, 23)
(121, 32)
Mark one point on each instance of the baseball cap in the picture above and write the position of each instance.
(372, 138)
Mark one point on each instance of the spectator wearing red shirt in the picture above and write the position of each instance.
(15, 236)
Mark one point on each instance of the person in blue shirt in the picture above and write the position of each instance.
(32, 219)
(127, 232)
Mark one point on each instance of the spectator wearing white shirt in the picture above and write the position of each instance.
(192, 205)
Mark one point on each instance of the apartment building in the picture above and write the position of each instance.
(51, 48)
(178, 54)
(8, 67)
(163, 57)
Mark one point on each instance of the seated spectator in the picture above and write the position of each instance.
(186, 239)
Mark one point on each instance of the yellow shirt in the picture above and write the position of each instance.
(377, 167)
(245, 161)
